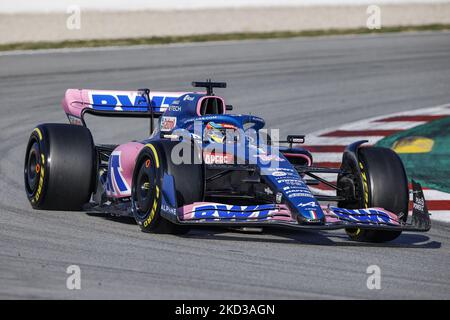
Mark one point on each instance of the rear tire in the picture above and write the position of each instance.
(152, 162)
(59, 167)
(384, 185)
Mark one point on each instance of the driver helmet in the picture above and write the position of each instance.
(217, 132)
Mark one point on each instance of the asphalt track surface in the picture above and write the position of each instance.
(299, 85)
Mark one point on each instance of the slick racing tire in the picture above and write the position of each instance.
(59, 167)
(146, 192)
(384, 185)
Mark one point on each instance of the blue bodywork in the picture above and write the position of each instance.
(278, 173)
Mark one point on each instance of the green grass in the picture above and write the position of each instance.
(213, 37)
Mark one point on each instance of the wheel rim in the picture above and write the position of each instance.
(33, 168)
(145, 188)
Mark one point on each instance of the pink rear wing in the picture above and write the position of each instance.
(139, 103)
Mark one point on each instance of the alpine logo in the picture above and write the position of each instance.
(311, 204)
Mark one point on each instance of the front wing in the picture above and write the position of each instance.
(217, 214)
(278, 215)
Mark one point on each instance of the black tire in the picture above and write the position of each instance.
(59, 167)
(384, 185)
(152, 162)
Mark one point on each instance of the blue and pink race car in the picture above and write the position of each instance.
(204, 166)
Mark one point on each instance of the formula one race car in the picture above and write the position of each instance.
(202, 166)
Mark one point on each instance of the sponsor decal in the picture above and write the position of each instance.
(255, 118)
(174, 108)
(280, 169)
(161, 103)
(150, 217)
(188, 98)
(223, 211)
(297, 189)
(116, 183)
(207, 118)
(366, 187)
(217, 158)
(152, 213)
(363, 215)
(300, 194)
(127, 101)
(117, 101)
(292, 182)
(280, 173)
(269, 157)
(419, 204)
(169, 209)
(39, 168)
(168, 123)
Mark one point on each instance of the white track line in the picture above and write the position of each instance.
(432, 194)
(327, 157)
(440, 215)
(404, 125)
(338, 141)
(327, 176)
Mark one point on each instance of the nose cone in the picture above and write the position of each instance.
(311, 215)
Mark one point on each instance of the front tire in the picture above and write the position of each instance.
(382, 183)
(59, 167)
(146, 194)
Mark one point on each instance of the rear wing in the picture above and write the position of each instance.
(141, 103)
